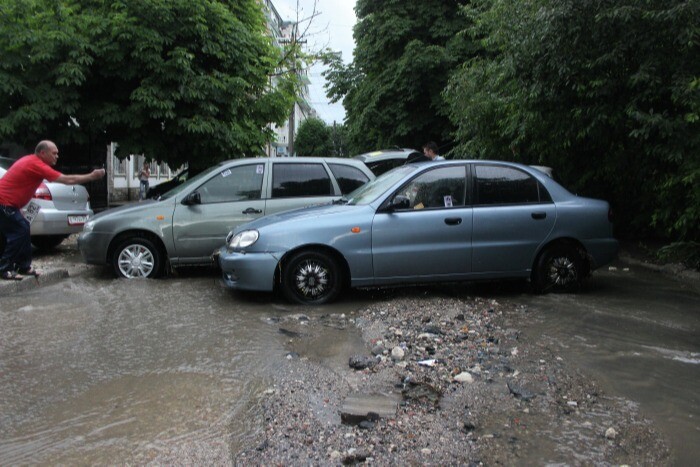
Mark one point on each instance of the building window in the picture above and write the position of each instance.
(119, 166)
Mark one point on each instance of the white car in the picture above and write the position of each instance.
(63, 210)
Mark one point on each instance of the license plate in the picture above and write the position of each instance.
(77, 220)
(31, 211)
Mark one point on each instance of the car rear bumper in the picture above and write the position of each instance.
(55, 222)
(601, 251)
(93, 247)
(247, 271)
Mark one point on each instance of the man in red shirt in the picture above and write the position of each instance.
(17, 188)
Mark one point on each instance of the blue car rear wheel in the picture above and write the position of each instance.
(560, 268)
(312, 278)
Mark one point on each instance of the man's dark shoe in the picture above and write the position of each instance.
(11, 276)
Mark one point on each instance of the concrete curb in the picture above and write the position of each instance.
(29, 283)
(677, 271)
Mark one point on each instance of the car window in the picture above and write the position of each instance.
(439, 188)
(233, 184)
(349, 178)
(504, 185)
(380, 167)
(297, 180)
(377, 187)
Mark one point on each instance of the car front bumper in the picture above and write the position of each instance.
(93, 247)
(247, 271)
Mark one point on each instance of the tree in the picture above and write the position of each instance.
(606, 92)
(176, 80)
(405, 51)
(314, 139)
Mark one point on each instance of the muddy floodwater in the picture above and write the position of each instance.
(95, 370)
(638, 333)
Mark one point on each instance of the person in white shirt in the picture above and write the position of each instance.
(431, 150)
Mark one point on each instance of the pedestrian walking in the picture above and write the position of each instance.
(144, 175)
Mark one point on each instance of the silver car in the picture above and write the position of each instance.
(188, 223)
(63, 210)
(426, 222)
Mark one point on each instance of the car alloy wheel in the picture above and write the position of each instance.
(562, 271)
(559, 268)
(137, 258)
(312, 278)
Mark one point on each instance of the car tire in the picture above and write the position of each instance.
(47, 242)
(560, 268)
(137, 257)
(312, 278)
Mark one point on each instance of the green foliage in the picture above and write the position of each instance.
(313, 139)
(606, 92)
(687, 253)
(405, 51)
(177, 80)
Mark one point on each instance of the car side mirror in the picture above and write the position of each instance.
(399, 202)
(192, 199)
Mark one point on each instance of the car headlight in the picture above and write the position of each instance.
(243, 239)
(89, 225)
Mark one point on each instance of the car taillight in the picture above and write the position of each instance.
(43, 192)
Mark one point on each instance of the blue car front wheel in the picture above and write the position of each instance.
(312, 278)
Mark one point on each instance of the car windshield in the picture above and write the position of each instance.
(372, 190)
(190, 181)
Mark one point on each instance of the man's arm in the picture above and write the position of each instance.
(79, 179)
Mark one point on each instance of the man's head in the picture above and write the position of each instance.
(47, 151)
(430, 149)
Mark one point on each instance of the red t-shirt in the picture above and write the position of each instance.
(20, 182)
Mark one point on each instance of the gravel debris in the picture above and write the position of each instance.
(446, 381)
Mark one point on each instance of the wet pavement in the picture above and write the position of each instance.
(95, 370)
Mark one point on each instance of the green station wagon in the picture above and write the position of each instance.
(188, 223)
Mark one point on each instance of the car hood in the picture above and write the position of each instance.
(130, 208)
(302, 216)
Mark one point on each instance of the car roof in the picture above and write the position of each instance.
(298, 160)
(382, 154)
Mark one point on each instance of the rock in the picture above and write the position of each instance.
(469, 426)
(360, 362)
(519, 391)
(378, 350)
(397, 353)
(289, 333)
(610, 433)
(366, 425)
(418, 391)
(464, 377)
(432, 329)
(361, 407)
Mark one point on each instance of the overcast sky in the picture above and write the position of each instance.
(331, 28)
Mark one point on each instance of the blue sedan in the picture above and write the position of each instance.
(429, 222)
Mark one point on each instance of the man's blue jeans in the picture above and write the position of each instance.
(18, 247)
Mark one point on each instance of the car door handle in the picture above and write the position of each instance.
(453, 220)
(539, 215)
(252, 211)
